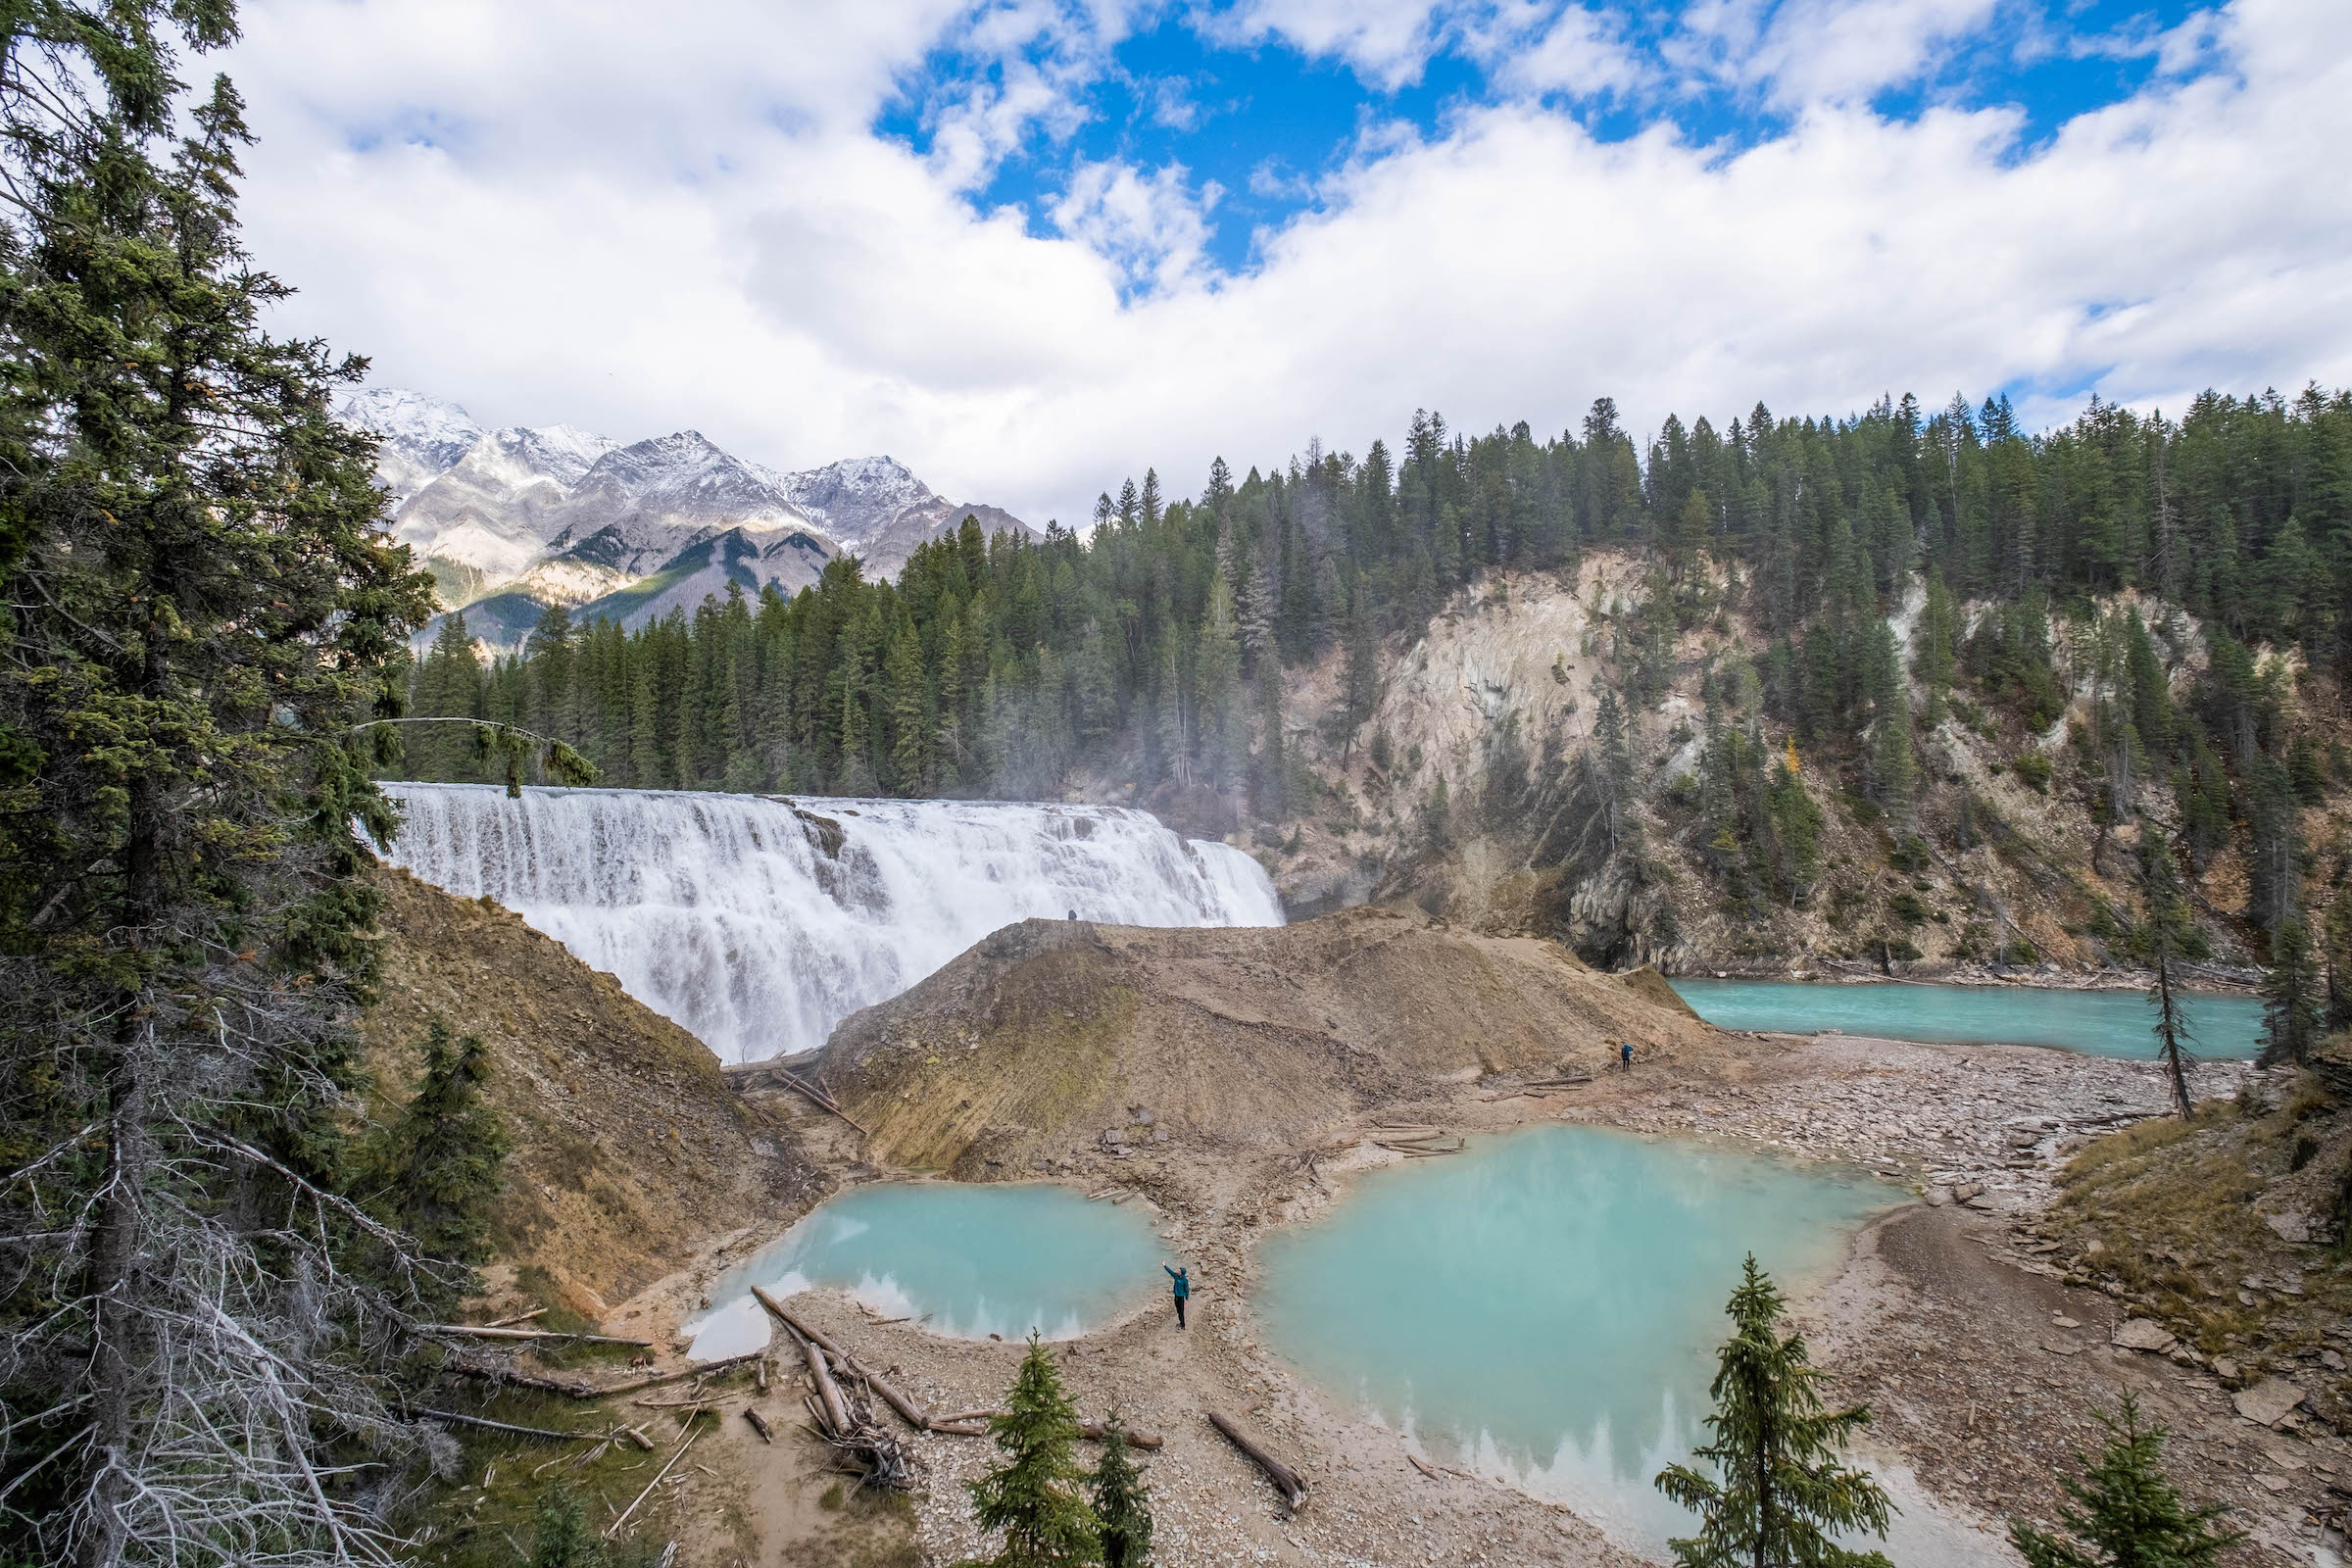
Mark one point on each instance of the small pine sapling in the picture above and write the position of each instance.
(1777, 1491)
(1032, 1496)
(2123, 1511)
(1122, 1503)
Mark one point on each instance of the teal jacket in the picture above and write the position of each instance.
(1184, 1285)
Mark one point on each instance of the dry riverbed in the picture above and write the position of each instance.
(1952, 1320)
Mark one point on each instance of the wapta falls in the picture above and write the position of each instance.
(759, 922)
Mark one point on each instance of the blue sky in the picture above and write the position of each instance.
(1262, 120)
(1030, 247)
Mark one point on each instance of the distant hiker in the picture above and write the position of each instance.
(1184, 1287)
(1625, 1054)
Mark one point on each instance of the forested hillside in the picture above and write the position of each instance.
(1824, 594)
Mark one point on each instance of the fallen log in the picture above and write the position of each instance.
(503, 1426)
(776, 1308)
(613, 1528)
(758, 1424)
(638, 1438)
(519, 1380)
(654, 1378)
(919, 1419)
(828, 1393)
(520, 1317)
(1286, 1480)
(959, 1428)
(490, 1332)
(820, 1097)
(1096, 1432)
(1422, 1465)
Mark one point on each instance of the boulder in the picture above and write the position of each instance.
(2292, 1226)
(2267, 1403)
(2144, 1334)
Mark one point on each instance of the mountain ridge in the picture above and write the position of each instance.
(512, 521)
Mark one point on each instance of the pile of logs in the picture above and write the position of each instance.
(1420, 1140)
(816, 1347)
(844, 1416)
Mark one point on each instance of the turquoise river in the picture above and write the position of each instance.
(2100, 1023)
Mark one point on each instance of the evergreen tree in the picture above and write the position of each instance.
(1123, 1503)
(2165, 919)
(1032, 1495)
(442, 1162)
(563, 1537)
(1777, 1490)
(2291, 1015)
(202, 608)
(2123, 1511)
(2336, 945)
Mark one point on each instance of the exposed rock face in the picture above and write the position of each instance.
(629, 1149)
(1041, 1039)
(2267, 1403)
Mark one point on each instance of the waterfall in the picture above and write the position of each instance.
(759, 922)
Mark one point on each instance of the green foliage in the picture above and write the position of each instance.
(1033, 1494)
(1774, 1489)
(200, 606)
(2290, 1012)
(2123, 1511)
(2032, 771)
(1123, 1503)
(563, 1537)
(438, 1173)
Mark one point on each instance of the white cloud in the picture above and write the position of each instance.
(635, 232)
(1151, 226)
(1799, 52)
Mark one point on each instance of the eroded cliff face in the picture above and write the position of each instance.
(2005, 859)
(631, 1151)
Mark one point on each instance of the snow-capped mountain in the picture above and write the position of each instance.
(879, 511)
(422, 437)
(510, 522)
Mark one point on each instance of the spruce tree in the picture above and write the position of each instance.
(203, 607)
(563, 1537)
(442, 1160)
(2123, 1511)
(1777, 1490)
(1033, 1494)
(2291, 1015)
(2164, 914)
(1123, 1503)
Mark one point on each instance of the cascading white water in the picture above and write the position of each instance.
(759, 923)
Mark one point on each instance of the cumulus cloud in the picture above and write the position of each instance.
(635, 230)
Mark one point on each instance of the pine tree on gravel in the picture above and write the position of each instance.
(1032, 1496)
(1122, 1503)
(2123, 1511)
(1777, 1492)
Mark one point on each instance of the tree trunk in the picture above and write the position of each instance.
(1287, 1481)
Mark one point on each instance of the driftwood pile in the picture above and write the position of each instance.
(841, 1366)
(1418, 1140)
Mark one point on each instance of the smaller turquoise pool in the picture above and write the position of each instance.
(2098, 1023)
(966, 1260)
(1546, 1308)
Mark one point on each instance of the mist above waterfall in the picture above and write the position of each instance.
(759, 922)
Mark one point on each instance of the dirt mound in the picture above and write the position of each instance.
(1052, 1036)
(1651, 986)
(629, 1149)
